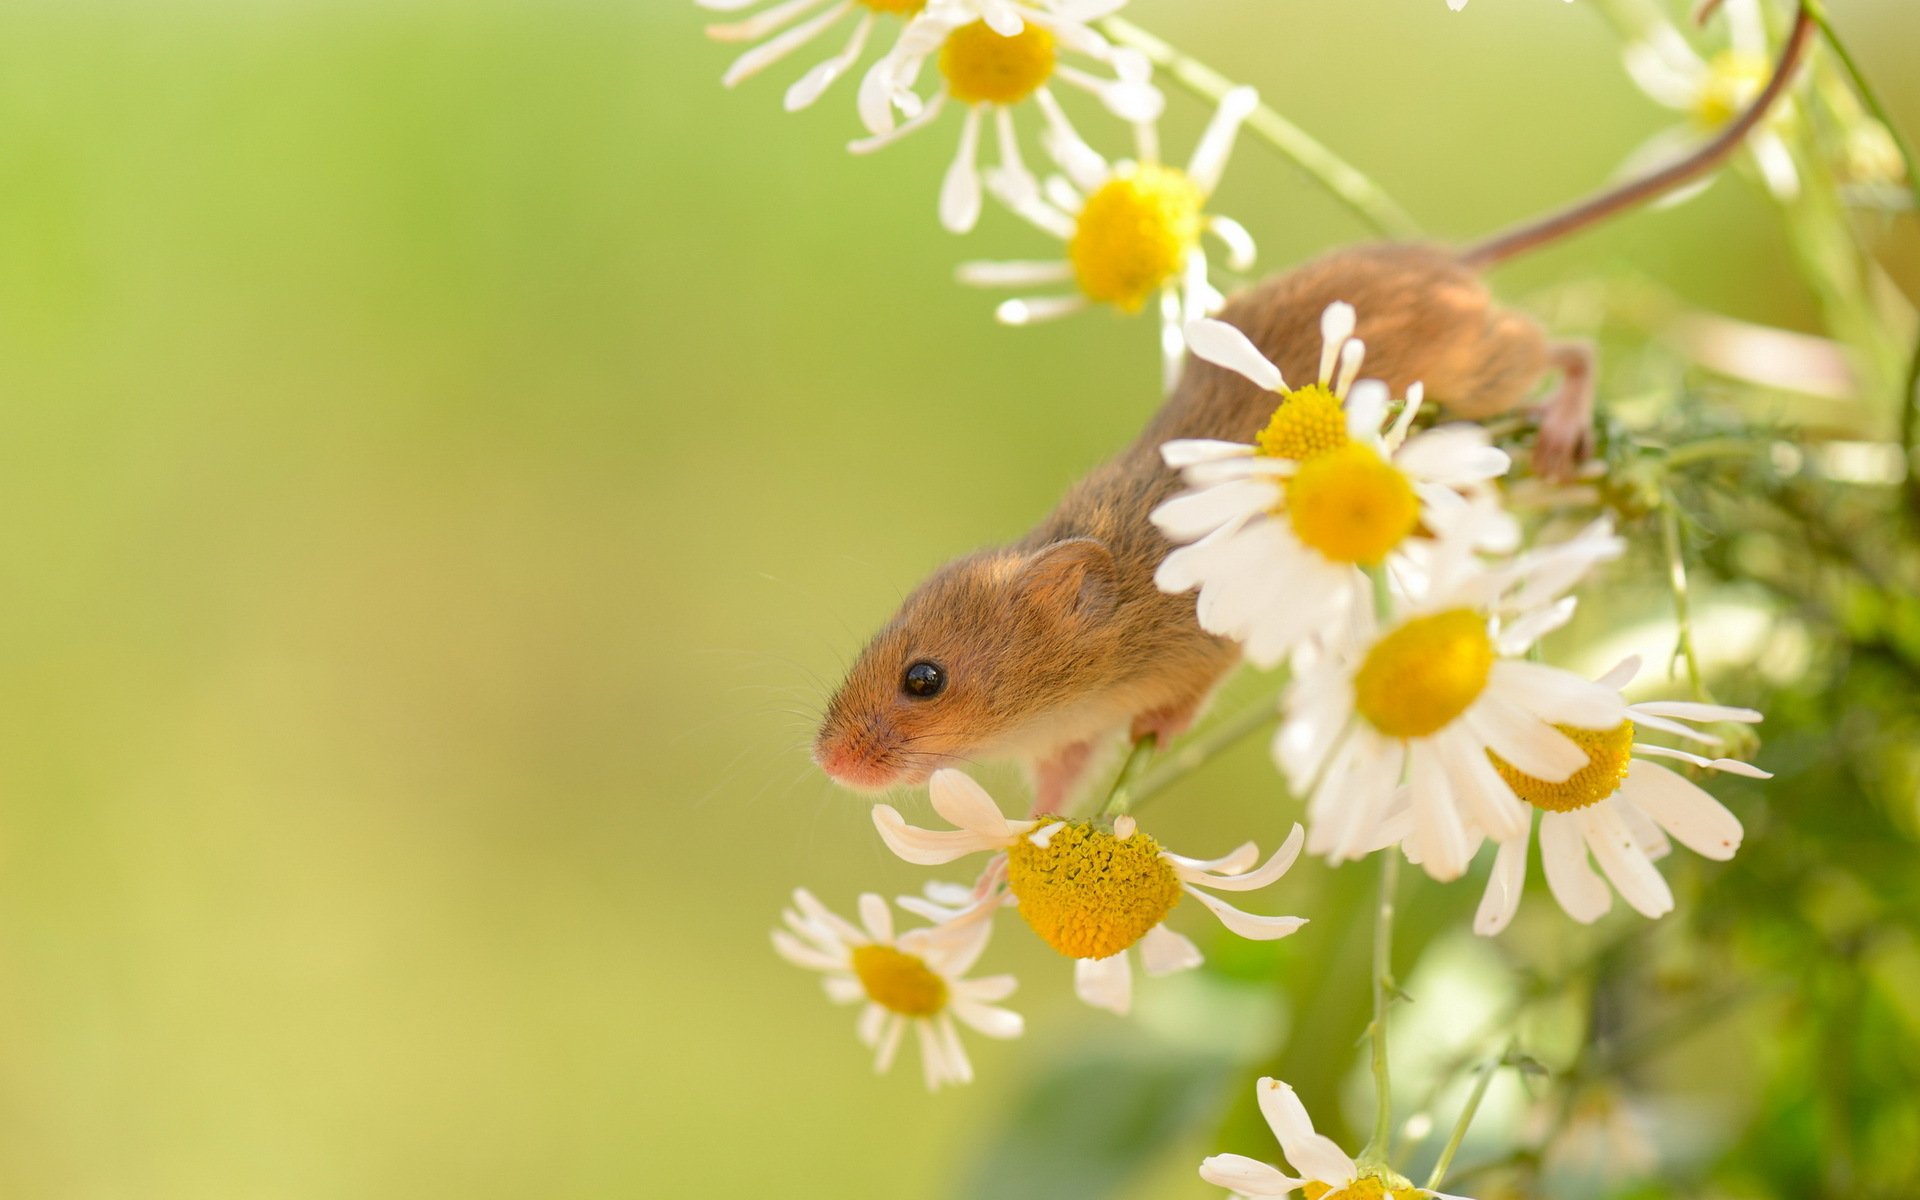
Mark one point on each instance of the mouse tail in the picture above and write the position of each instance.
(1568, 221)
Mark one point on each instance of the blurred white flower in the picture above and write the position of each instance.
(915, 979)
(1089, 891)
(1132, 230)
(1431, 696)
(1275, 533)
(791, 24)
(1621, 808)
(993, 55)
(1711, 91)
(1325, 1170)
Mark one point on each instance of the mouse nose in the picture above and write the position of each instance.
(859, 758)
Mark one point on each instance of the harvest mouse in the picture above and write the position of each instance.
(1043, 649)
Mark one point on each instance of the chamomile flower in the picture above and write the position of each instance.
(1276, 531)
(1621, 808)
(1431, 695)
(1711, 92)
(1091, 891)
(914, 979)
(1325, 1170)
(992, 56)
(791, 24)
(1132, 232)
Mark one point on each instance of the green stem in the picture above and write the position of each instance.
(1118, 799)
(1677, 582)
(1189, 756)
(1910, 397)
(1376, 1149)
(1461, 1125)
(1340, 178)
(1711, 448)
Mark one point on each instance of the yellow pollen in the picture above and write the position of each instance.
(1734, 81)
(1352, 505)
(1424, 674)
(1609, 751)
(984, 68)
(1367, 1187)
(899, 981)
(1089, 894)
(1309, 422)
(1133, 235)
(901, 7)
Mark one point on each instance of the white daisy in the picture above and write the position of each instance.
(1091, 892)
(1711, 92)
(1132, 231)
(1430, 697)
(915, 979)
(1277, 530)
(791, 24)
(993, 55)
(1325, 1169)
(1621, 808)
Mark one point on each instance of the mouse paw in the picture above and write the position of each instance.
(1058, 775)
(1164, 724)
(1566, 421)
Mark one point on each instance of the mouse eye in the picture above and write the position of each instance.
(924, 680)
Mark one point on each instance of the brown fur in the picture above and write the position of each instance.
(1061, 640)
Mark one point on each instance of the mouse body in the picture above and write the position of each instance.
(1048, 648)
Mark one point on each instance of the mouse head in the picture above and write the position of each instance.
(989, 645)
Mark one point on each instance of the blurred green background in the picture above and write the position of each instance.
(449, 448)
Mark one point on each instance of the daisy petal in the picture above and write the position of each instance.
(1105, 982)
(1312, 1154)
(1162, 952)
(1247, 925)
(1695, 819)
(1224, 346)
(1247, 1176)
(1570, 877)
(1626, 865)
(1504, 886)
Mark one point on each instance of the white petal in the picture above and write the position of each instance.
(1776, 164)
(1439, 836)
(774, 49)
(844, 989)
(959, 1066)
(1621, 675)
(1247, 1177)
(1216, 144)
(1034, 309)
(1570, 877)
(1558, 696)
(1247, 925)
(810, 86)
(881, 140)
(1689, 711)
(960, 192)
(802, 955)
(888, 1039)
(1366, 407)
(1221, 344)
(1185, 452)
(1517, 637)
(1530, 744)
(1731, 766)
(1452, 455)
(1241, 250)
(1480, 790)
(1196, 514)
(1233, 881)
(1162, 952)
(1632, 873)
(1081, 163)
(927, 847)
(875, 916)
(990, 1021)
(760, 24)
(1105, 982)
(1504, 887)
(960, 800)
(1695, 819)
(1013, 274)
(1312, 1154)
(933, 1056)
(1002, 18)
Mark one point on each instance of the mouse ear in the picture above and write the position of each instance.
(1076, 576)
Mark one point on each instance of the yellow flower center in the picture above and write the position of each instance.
(1309, 422)
(1352, 505)
(984, 68)
(1089, 894)
(899, 981)
(1609, 751)
(1133, 235)
(1734, 81)
(900, 7)
(1367, 1187)
(1424, 674)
